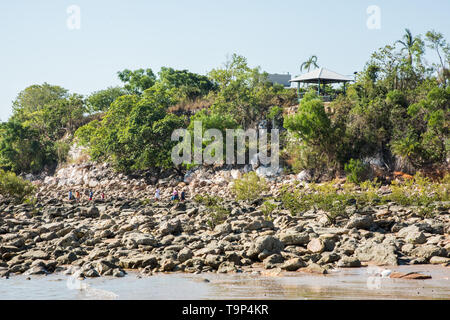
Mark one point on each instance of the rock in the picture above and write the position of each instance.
(403, 232)
(226, 267)
(335, 231)
(328, 242)
(104, 266)
(316, 246)
(36, 270)
(138, 262)
(410, 275)
(134, 239)
(293, 264)
(416, 238)
(118, 273)
(407, 248)
(185, 254)
(360, 222)
(223, 228)
(349, 262)
(428, 251)
(439, 260)
(291, 237)
(268, 243)
(314, 268)
(168, 265)
(328, 257)
(91, 212)
(91, 273)
(69, 240)
(381, 254)
(67, 258)
(36, 254)
(170, 227)
(304, 175)
(272, 261)
(412, 234)
(213, 260)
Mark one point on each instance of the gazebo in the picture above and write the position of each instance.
(321, 76)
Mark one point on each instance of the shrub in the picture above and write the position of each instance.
(267, 209)
(294, 201)
(12, 186)
(369, 192)
(249, 187)
(421, 193)
(217, 215)
(356, 170)
(323, 197)
(207, 200)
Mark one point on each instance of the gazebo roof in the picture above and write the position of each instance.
(325, 76)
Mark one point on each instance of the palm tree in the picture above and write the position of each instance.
(312, 61)
(408, 43)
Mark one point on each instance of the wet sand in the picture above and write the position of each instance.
(360, 283)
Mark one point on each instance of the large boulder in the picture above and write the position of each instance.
(36, 254)
(91, 212)
(273, 261)
(265, 244)
(170, 227)
(360, 222)
(292, 237)
(349, 262)
(140, 261)
(134, 239)
(184, 255)
(428, 251)
(293, 264)
(69, 240)
(379, 253)
(316, 245)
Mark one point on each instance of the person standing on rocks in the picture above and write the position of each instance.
(175, 195)
(77, 195)
(70, 195)
(103, 196)
(91, 195)
(183, 195)
(157, 194)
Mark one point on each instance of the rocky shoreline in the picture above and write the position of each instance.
(129, 230)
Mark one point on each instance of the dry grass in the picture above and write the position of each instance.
(192, 106)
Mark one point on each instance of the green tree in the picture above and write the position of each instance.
(14, 187)
(21, 149)
(137, 81)
(99, 101)
(135, 133)
(408, 43)
(189, 85)
(437, 42)
(311, 62)
(43, 121)
(244, 92)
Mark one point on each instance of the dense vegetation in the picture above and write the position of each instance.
(397, 111)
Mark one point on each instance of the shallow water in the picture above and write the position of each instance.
(341, 284)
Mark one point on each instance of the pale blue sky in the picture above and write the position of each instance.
(37, 46)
